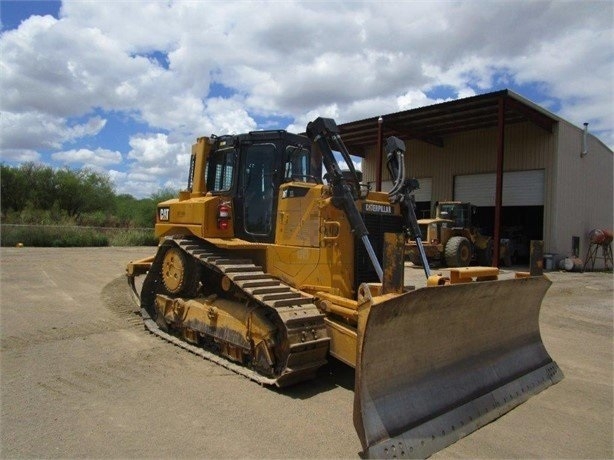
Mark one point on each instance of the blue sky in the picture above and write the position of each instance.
(13, 12)
(126, 87)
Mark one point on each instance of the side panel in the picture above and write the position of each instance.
(298, 266)
(298, 215)
(342, 341)
(195, 215)
(314, 244)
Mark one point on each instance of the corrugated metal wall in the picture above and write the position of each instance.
(526, 147)
(578, 191)
(583, 191)
(520, 188)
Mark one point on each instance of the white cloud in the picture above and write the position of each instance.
(20, 155)
(126, 183)
(153, 150)
(155, 62)
(412, 99)
(588, 93)
(228, 116)
(59, 68)
(153, 160)
(300, 123)
(36, 130)
(156, 29)
(88, 158)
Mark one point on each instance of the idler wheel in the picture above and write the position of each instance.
(175, 271)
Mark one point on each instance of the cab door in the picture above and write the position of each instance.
(259, 181)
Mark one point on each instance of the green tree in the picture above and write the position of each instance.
(141, 212)
(14, 190)
(33, 193)
(124, 209)
(83, 191)
(148, 206)
(30, 185)
(164, 194)
(42, 184)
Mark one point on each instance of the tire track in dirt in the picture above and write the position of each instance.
(113, 374)
(72, 331)
(108, 376)
(115, 296)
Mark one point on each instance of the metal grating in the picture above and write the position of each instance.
(377, 225)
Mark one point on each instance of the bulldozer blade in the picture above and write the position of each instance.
(438, 363)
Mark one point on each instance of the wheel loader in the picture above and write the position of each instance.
(451, 239)
(269, 267)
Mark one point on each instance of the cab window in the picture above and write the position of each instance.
(297, 164)
(220, 170)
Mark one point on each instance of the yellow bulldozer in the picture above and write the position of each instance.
(269, 267)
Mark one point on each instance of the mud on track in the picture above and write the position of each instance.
(81, 378)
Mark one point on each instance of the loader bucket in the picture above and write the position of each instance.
(438, 363)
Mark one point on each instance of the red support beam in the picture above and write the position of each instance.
(499, 181)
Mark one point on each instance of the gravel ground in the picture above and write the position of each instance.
(81, 378)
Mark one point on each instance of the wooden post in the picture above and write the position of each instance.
(536, 260)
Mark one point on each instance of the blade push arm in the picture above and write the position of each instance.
(402, 192)
(325, 134)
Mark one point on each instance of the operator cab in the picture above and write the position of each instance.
(249, 170)
(460, 213)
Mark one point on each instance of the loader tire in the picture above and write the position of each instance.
(458, 252)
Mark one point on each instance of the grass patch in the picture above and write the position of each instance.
(133, 237)
(47, 236)
(74, 236)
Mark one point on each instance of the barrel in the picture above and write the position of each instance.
(572, 264)
(600, 236)
(548, 261)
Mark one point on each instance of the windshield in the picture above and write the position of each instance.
(456, 212)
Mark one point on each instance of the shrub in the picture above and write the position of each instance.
(133, 237)
(47, 236)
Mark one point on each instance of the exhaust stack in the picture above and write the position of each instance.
(584, 151)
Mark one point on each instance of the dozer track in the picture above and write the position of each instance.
(303, 324)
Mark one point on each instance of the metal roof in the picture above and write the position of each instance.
(432, 123)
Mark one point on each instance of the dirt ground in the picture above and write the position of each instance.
(81, 378)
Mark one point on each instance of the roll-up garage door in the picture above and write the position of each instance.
(520, 188)
(423, 194)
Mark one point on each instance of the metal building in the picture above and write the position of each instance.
(531, 174)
